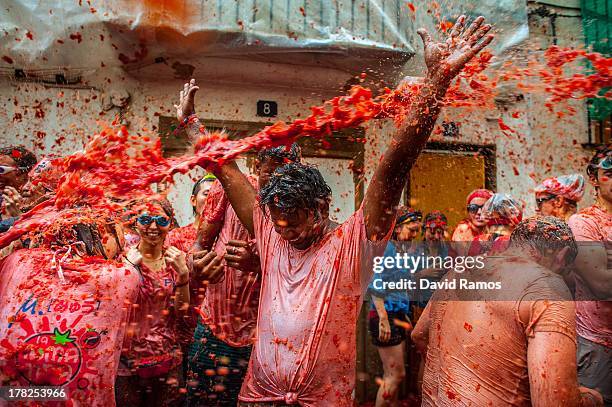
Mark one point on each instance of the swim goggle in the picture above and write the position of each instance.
(5, 169)
(146, 220)
(605, 164)
(540, 201)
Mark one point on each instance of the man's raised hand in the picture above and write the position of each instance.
(186, 105)
(445, 60)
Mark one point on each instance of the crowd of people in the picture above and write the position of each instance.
(494, 226)
(256, 302)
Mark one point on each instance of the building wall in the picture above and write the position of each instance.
(54, 120)
(60, 120)
(557, 143)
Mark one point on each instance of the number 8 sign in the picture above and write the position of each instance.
(267, 108)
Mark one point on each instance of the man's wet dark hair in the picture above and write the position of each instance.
(600, 154)
(282, 153)
(545, 234)
(295, 186)
(24, 158)
(90, 236)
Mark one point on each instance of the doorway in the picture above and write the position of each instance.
(445, 174)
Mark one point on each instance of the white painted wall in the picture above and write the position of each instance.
(41, 117)
(339, 177)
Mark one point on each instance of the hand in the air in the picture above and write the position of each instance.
(445, 60)
(186, 105)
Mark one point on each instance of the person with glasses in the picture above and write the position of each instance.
(435, 244)
(472, 226)
(592, 227)
(149, 371)
(15, 163)
(502, 213)
(559, 196)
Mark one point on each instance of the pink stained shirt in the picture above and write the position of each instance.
(593, 318)
(152, 330)
(310, 301)
(229, 307)
(64, 334)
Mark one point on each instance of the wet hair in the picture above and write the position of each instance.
(24, 158)
(545, 233)
(90, 236)
(282, 153)
(295, 186)
(600, 154)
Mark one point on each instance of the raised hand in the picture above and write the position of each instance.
(445, 60)
(186, 105)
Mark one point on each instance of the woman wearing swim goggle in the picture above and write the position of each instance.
(473, 225)
(152, 358)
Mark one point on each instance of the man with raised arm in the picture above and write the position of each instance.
(315, 273)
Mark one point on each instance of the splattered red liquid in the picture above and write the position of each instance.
(117, 168)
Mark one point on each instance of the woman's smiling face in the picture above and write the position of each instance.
(153, 224)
